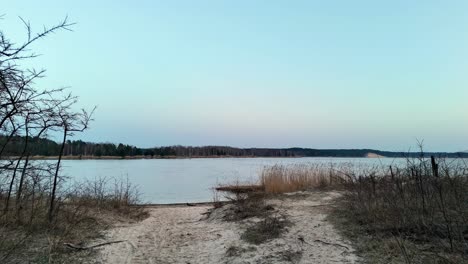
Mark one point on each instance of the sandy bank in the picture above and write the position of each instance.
(374, 155)
(178, 234)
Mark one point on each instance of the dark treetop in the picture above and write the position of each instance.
(46, 147)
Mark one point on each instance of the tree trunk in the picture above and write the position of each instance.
(54, 187)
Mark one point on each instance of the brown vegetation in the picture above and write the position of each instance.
(83, 213)
(301, 177)
(268, 228)
(418, 212)
(248, 201)
(414, 213)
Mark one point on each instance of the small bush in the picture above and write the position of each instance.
(247, 200)
(269, 228)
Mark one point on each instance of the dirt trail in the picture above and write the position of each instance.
(183, 235)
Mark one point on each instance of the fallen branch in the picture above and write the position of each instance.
(70, 245)
(301, 238)
(320, 205)
(238, 189)
(333, 244)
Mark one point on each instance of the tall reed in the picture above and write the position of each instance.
(300, 177)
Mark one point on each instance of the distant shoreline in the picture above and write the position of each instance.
(368, 155)
(177, 157)
(43, 149)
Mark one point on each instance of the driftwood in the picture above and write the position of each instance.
(70, 245)
(241, 188)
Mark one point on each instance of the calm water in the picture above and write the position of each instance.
(190, 180)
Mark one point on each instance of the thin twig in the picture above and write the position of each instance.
(70, 245)
(333, 244)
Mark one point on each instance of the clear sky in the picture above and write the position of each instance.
(320, 74)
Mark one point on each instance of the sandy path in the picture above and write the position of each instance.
(169, 235)
(182, 235)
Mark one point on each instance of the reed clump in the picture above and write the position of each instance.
(300, 177)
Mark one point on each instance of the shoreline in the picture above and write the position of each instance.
(179, 157)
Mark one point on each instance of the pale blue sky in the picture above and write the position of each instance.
(320, 74)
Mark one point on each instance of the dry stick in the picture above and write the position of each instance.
(70, 245)
(333, 244)
(323, 242)
(402, 248)
(320, 205)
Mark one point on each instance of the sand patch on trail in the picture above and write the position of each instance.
(181, 234)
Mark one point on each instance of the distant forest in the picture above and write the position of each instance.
(46, 147)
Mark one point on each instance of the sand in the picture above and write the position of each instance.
(182, 234)
(374, 155)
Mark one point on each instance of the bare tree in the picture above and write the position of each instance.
(28, 114)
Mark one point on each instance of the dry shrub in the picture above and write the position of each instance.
(269, 228)
(246, 205)
(248, 201)
(300, 177)
(82, 212)
(422, 207)
(244, 199)
(111, 194)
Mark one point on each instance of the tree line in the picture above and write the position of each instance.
(47, 147)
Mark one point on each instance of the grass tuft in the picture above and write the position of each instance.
(267, 229)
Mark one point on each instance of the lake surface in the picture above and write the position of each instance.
(191, 180)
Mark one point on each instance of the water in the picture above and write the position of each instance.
(190, 180)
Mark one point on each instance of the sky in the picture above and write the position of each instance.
(318, 74)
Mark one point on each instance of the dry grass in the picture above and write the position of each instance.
(417, 213)
(248, 201)
(83, 212)
(269, 228)
(249, 198)
(282, 179)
